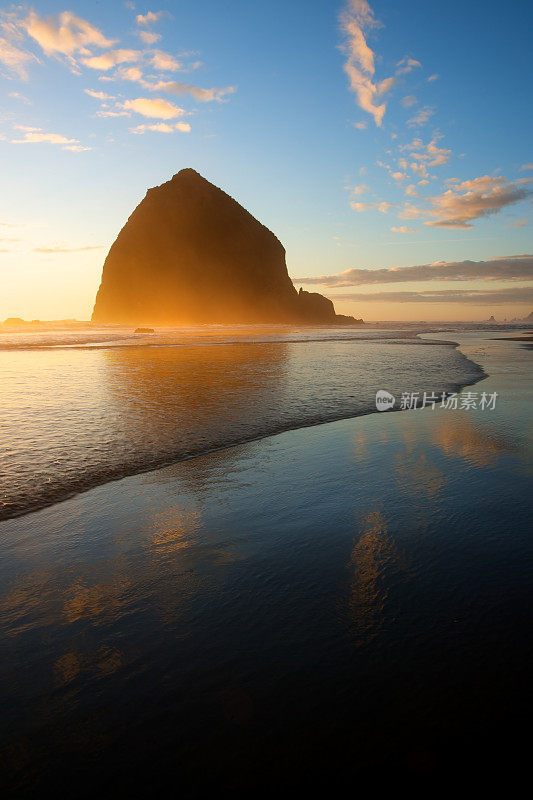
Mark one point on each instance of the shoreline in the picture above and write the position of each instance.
(412, 338)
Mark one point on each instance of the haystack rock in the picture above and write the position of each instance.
(189, 253)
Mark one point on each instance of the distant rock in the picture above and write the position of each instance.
(529, 318)
(144, 330)
(15, 321)
(189, 253)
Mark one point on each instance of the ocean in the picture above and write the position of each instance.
(347, 602)
(81, 407)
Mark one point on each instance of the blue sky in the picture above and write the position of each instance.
(365, 136)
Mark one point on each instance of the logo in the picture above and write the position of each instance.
(384, 400)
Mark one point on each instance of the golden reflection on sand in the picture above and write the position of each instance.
(462, 437)
(373, 558)
(103, 661)
(173, 529)
(99, 602)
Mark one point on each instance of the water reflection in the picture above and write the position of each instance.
(374, 561)
(467, 438)
(90, 415)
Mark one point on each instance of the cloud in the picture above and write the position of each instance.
(162, 127)
(495, 297)
(37, 136)
(156, 107)
(409, 100)
(421, 117)
(65, 33)
(358, 190)
(526, 166)
(520, 223)
(21, 97)
(67, 249)
(98, 95)
(77, 148)
(130, 74)
(507, 268)
(432, 78)
(14, 58)
(379, 206)
(466, 201)
(104, 112)
(164, 62)
(402, 229)
(407, 65)
(149, 37)
(361, 126)
(426, 155)
(149, 17)
(111, 59)
(202, 95)
(356, 19)
(359, 65)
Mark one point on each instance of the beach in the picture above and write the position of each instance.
(349, 599)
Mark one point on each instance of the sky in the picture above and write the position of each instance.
(387, 145)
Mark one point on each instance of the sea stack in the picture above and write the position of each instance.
(189, 253)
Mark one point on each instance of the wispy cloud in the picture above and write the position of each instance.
(111, 59)
(149, 17)
(112, 112)
(358, 190)
(81, 45)
(12, 56)
(465, 201)
(202, 95)
(149, 37)
(378, 206)
(432, 78)
(65, 34)
(162, 127)
(402, 229)
(165, 62)
(508, 268)
(38, 136)
(421, 117)
(98, 95)
(526, 166)
(67, 249)
(430, 153)
(21, 97)
(476, 297)
(357, 18)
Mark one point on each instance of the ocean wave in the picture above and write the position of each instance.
(74, 418)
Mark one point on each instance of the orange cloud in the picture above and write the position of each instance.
(111, 59)
(509, 268)
(156, 107)
(65, 33)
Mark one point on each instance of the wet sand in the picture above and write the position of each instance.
(348, 600)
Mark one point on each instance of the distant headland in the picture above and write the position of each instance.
(189, 253)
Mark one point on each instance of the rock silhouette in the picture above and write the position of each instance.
(189, 253)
